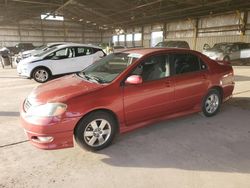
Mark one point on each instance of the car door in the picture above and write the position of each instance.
(234, 52)
(191, 80)
(61, 60)
(154, 97)
(84, 57)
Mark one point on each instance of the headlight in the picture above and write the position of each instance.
(47, 110)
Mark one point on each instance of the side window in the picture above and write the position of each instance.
(62, 54)
(243, 46)
(235, 48)
(185, 63)
(153, 68)
(81, 51)
(99, 51)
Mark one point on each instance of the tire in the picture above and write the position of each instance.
(211, 103)
(226, 58)
(96, 131)
(41, 75)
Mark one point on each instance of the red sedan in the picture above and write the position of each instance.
(122, 92)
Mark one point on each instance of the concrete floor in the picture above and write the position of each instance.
(192, 151)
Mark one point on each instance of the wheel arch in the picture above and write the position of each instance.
(220, 89)
(40, 66)
(110, 112)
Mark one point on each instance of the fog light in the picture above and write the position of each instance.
(42, 139)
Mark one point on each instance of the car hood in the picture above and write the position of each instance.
(213, 50)
(30, 59)
(61, 89)
(27, 52)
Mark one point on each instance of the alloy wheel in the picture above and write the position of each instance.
(97, 132)
(212, 103)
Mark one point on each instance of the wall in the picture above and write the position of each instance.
(211, 29)
(43, 31)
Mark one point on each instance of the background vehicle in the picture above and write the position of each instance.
(20, 47)
(119, 48)
(173, 44)
(62, 59)
(38, 50)
(122, 92)
(5, 58)
(227, 51)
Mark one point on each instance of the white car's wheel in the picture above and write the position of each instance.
(226, 58)
(41, 75)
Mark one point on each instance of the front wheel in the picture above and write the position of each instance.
(96, 131)
(41, 75)
(226, 58)
(211, 103)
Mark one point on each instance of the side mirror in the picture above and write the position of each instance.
(206, 47)
(134, 80)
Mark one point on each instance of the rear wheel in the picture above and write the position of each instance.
(41, 75)
(211, 103)
(96, 131)
(226, 58)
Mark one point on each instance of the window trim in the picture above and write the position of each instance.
(186, 73)
(142, 61)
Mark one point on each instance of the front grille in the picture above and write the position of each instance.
(26, 105)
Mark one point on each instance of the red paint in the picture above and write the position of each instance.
(135, 105)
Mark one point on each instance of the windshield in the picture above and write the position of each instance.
(222, 46)
(108, 68)
(168, 44)
(46, 51)
(41, 47)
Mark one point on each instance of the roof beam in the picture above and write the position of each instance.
(35, 2)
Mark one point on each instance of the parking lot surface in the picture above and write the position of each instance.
(192, 151)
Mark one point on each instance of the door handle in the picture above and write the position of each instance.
(167, 83)
(204, 76)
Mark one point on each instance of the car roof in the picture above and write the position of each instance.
(231, 43)
(144, 51)
(77, 45)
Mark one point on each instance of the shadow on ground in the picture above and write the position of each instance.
(220, 143)
(241, 78)
(241, 102)
(9, 113)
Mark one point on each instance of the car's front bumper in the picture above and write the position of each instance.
(59, 131)
(23, 71)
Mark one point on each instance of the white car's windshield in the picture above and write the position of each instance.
(41, 47)
(109, 67)
(46, 51)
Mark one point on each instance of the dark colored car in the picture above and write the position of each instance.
(20, 47)
(122, 92)
(173, 44)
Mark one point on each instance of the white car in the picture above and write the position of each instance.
(62, 59)
(227, 51)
